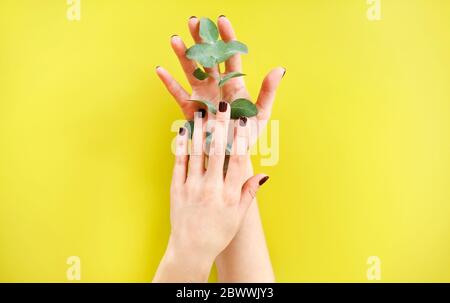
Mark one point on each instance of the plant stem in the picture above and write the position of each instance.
(220, 79)
(220, 90)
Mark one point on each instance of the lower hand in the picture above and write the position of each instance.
(207, 207)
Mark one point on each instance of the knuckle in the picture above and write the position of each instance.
(252, 191)
(180, 160)
(238, 160)
(211, 183)
(173, 86)
(222, 119)
(217, 150)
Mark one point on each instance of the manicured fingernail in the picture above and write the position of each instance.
(202, 113)
(284, 73)
(222, 16)
(263, 180)
(242, 121)
(223, 106)
(192, 17)
(182, 131)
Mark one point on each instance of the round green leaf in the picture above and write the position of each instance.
(208, 30)
(205, 54)
(228, 49)
(200, 74)
(243, 108)
(210, 54)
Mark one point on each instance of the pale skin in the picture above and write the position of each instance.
(207, 207)
(246, 257)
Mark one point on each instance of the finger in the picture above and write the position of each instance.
(226, 31)
(219, 140)
(267, 92)
(249, 190)
(194, 28)
(181, 158)
(237, 165)
(197, 158)
(179, 48)
(174, 88)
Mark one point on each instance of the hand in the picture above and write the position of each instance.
(208, 90)
(207, 207)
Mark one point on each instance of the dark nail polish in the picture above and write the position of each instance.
(263, 180)
(283, 72)
(192, 17)
(223, 106)
(222, 16)
(243, 121)
(182, 131)
(202, 113)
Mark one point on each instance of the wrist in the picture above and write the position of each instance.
(190, 265)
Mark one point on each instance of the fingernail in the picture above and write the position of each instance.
(192, 17)
(263, 180)
(222, 16)
(283, 72)
(242, 121)
(157, 67)
(182, 131)
(202, 113)
(223, 106)
(173, 36)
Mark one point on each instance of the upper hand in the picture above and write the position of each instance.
(208, 90)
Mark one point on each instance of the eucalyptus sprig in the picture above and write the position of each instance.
(210, 53)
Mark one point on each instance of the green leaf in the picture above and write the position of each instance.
(228, 150)
(189, 125)
(203, 54)
(243, 108)
(230, 49)
(209, 105)
(200, 74)
(208, 30)
(229, 76)
(210, 54)
(208, 139)
(237, 46)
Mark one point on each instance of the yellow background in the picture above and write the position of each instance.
(364, 112)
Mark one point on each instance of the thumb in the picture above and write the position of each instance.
(250, 188)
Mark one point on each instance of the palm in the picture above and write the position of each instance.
(208, 89)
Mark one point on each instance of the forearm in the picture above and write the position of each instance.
(246, 258)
